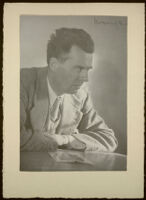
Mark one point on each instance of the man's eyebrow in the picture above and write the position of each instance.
(90, 67)
(83, 67)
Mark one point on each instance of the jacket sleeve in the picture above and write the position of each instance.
(93, 131)
(30, 140)
(25, 133)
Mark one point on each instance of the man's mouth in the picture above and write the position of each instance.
(75, 88)
(78, 85)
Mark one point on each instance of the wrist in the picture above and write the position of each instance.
(61, 139)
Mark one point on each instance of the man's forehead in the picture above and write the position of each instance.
(79, 55)
(75, 50)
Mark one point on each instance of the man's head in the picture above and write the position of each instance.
(69, 56)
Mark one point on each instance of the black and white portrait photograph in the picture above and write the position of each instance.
(74, 85)
(73, 93)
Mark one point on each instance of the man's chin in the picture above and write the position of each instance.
(73, 91)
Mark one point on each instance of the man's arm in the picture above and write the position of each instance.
(93, 131)
(31, 140)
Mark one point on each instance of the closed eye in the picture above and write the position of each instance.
(83, 68)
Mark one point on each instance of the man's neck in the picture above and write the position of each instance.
(53, 84)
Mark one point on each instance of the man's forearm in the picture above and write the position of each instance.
(69, 141)
(39, 142)
(88, 140)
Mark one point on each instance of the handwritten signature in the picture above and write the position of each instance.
(104, 22)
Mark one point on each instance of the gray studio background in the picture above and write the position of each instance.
(108, 80)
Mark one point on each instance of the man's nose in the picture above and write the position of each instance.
(84, 75)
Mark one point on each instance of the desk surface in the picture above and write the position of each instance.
(42, 161)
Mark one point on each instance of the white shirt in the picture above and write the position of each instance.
(51, 124)
(54, 110)
(52, 94)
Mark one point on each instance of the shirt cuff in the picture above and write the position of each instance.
(91, 143)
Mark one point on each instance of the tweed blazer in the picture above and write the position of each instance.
(78, 116)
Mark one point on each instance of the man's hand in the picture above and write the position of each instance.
(68, 141)
(41, 142)
(60, 139)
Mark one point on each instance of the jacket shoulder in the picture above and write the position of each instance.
(28, 76)
(28, 73)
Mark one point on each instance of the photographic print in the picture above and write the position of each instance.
(73, 93)
(73, 100)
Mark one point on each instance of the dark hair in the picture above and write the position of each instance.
(64, 38)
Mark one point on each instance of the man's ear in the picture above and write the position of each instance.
(53, 64)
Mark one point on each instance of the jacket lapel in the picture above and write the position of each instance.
(41, 101)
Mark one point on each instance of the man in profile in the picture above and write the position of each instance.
(56, 110)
